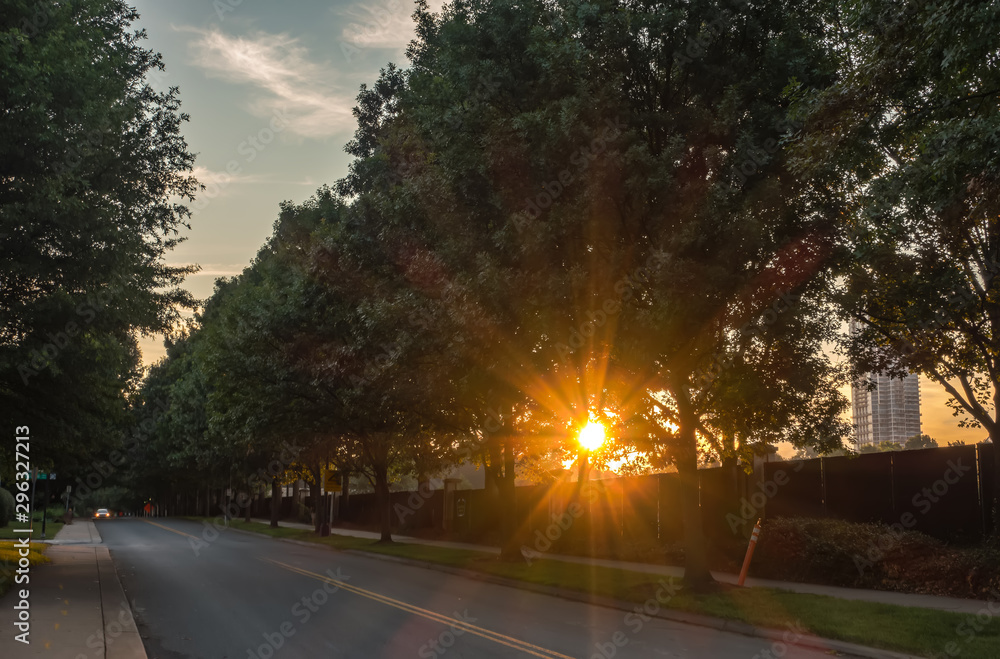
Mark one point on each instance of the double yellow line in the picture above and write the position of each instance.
(167, 528)
(496, 637)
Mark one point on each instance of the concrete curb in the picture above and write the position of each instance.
(776, 636)
(119, 633)
(121, 636)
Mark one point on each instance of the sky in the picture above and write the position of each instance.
(269, 88)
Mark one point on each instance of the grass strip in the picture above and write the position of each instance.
(51, 528)
(923, 632)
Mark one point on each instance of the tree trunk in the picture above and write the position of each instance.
(314, 494)
(250, 497)
(697, 576)
(995, 438)
(510, 545)
(384, 504)
(275, 502)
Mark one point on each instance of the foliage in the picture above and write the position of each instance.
(872, 556)
(114, 498)
(562, 234)
(9, 554)
(903, 146)
(92, 186)
(920, 441)
(6, 507)
(885, 446)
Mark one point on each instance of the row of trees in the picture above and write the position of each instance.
(492, 274)
(642, 213)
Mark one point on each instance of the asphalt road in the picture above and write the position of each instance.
(244, 597)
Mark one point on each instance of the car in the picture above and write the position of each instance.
(102, 512)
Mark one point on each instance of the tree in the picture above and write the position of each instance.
(591, 218)
(312, 343)
(903, 146)
(919, 441)
(92, 183)
(885, 446)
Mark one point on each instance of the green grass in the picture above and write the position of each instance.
(51, 528)
(903, 629)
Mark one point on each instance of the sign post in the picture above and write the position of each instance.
(45, 503)
(68, 515)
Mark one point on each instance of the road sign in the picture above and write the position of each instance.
(331, 480)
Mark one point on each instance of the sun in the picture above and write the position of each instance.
(591, 436)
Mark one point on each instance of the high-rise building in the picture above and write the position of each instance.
(890, 412)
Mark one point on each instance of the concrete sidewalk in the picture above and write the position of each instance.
(76, 603)
(953, 604)
(80, 532)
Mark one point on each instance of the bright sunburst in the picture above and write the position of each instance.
(592, 436)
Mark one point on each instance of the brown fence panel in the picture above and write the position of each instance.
(877, 487)
(529, 498)
(641, 508)
(987, 478)
(434, 510)
(602, 503)
(859, 489)
(671, 521)
(362, 509)
(939, 487)
(481, 520)
(535, 503)
(789, 489)
(720, 497)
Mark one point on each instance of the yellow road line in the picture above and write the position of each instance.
(496, 637)
(167, 528)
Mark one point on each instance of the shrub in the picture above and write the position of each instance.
(6, 507)
(875, 556)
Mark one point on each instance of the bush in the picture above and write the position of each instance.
(6, 507)
(853, 555)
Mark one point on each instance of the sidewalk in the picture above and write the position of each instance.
(76, 603)
(953, 604)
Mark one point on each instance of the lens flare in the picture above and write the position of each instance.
(592, 436)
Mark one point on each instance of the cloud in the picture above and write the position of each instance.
(387, 24)
(207, 176)
(223, 179)
(283, 79)
(219, 270)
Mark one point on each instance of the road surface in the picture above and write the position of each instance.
(244, 597)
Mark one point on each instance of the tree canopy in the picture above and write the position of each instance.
(93, 180)
(903, 147)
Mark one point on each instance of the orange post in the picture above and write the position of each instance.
(750, 548)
